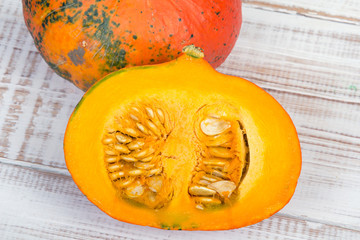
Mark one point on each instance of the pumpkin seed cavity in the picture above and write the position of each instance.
(133, 160)
(224, 159)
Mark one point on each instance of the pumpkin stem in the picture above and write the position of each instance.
(193, 51)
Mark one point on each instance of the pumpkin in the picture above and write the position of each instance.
(83, 41)
(180, 146)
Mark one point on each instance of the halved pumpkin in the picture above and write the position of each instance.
(181, 146)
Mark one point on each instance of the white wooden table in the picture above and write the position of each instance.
(305, 53)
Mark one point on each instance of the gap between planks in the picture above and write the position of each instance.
(64, 172)
(36, 166)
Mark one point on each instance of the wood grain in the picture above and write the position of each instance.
(304, 54)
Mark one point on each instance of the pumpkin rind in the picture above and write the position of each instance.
(274, 149)
(83, 41)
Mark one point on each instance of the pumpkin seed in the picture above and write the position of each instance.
(107, 140)
(136, 172)
(154, 171)
(111, 159)
(131, 132)
(142, 128)
(115, 167)
(147, 159)
(116, 175)
(150, 112)
(155, 183)
(153, 128)
(144, 153)
(224, 169)
(121, 183)
(122, 138)
(143, 165)
(224, 188)
(135, 190)
(121, 148)
(136, 144)
(210, 178)
(110, 152)
(151, 196)
(135, 109)
(197, 190)
(128, 158)
(133, 117)
(220, 152)
(218, 174)
(160, 115)
(203, 182)
(213, 126)
(218, 140)
(199, 206)
(215, 162)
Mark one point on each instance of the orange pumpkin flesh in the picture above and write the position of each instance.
(83, 41)
(193, 108)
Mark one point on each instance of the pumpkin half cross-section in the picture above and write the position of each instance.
(181, 146)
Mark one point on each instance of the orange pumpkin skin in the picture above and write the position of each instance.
(83, 41)
(274, 149)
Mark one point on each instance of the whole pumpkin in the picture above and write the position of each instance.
(84, 40)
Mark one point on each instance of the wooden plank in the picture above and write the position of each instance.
(40, 205)
(336, 10)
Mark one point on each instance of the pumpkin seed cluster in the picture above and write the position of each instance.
(133, 158)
